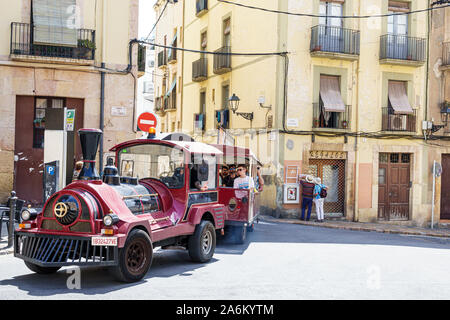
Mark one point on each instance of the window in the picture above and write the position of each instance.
(203, 170)
(398, 101)
(227, 33)
(203, 102)
(225, 96)
(203, 43)
(331, 8)
(51, 20)
(331, 106)
(39, 123)
(161, 162)
(41, 104)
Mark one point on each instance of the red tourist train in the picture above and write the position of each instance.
(162, 193)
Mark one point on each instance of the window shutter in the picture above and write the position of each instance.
(50, 22)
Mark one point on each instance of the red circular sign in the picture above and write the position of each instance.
(146, 121)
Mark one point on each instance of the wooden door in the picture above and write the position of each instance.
(445, 187)
(28, 151)
(393, 186)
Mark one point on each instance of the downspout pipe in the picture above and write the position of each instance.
(102, 116)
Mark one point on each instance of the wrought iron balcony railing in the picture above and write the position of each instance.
(399, 47)
(334, 40)
(331, 120)
(222, 60)
(398, 122)
(22, 44)
(162, 58)
(200, 69)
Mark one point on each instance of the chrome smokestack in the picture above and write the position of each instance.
(89, 139)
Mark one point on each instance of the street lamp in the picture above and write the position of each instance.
(233, 105)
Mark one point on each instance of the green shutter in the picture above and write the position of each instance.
(52, 21)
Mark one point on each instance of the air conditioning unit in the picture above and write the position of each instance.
(398, 122)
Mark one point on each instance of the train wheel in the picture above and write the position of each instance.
(41, 270)
(202, 243)
(135, 258)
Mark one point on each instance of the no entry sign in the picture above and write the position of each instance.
(146, 121)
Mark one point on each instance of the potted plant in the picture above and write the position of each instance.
(344, 124)
(316, 123)
(84, 49)
(317, 48)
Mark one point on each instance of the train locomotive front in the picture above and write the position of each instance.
(115, 222)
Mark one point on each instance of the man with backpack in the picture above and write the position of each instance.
(320, 193)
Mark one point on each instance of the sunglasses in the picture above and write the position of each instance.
(240, 169)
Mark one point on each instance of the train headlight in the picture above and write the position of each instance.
(110, 219)
(28, 214)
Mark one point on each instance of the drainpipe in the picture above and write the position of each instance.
(102, 117)
(356, 183)
(102, 87)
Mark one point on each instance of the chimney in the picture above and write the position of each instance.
(89, 139)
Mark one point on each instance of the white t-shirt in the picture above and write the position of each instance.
(243, 183)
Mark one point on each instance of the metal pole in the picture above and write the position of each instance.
(12, 214)
(434, 188)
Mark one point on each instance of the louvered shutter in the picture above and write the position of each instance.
(52, 21)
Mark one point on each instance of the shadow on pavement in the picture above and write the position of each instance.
(169, 263)
(97, 280)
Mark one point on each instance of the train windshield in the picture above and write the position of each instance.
(157, 161)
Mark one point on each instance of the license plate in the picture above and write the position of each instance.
(104, 241)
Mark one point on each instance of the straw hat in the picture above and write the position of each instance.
(310, 179)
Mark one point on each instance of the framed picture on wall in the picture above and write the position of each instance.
(291, 193)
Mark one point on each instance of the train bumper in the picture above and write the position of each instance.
(48, 250)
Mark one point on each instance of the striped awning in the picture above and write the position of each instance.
(54, 23)
(398, 98)
(331, 94)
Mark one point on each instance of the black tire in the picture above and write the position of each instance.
(239, 234)
(135, 258)
(202, 243)
(41, 270)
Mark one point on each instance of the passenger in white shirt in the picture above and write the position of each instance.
(243, 181)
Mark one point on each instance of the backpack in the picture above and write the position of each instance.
(323, 193)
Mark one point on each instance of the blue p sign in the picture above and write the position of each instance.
(51, 170)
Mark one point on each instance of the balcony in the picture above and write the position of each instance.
(200, 70)
(334, 42)
(141, 60)
(170, 102)
(201, 7)
(398, 122)
(402, 50)
(330, 121)
(222, 60)
(162, 58)
(23, 48)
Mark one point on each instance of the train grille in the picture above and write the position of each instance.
(59, 250)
